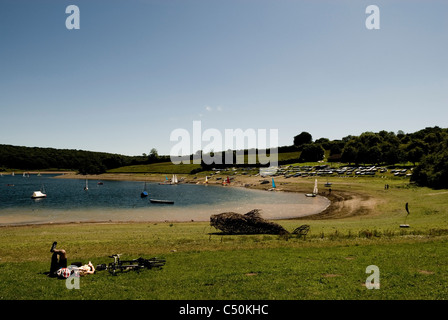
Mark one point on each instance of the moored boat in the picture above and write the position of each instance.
(144, 192)
(161, 201)
(38, 194)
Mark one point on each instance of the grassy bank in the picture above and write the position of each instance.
(201, 263)
(204, 266)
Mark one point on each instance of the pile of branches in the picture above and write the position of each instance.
(249, 223)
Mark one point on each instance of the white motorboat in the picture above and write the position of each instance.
(38, 194)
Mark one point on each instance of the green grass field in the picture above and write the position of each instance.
(160, 167)
(170, 168)
(201, 263)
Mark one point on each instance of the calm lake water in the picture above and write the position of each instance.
(67, 201)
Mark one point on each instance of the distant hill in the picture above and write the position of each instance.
(34, 158)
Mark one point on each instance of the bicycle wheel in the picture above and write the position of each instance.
(101, 267)
(112, 268)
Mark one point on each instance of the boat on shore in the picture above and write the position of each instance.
(315, 191)
(166, 181)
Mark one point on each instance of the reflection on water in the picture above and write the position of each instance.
(67, 201)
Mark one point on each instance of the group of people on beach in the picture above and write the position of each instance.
(59, 267)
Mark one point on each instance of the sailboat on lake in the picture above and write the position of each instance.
(315, 191)
(87, 185)
(144, 192)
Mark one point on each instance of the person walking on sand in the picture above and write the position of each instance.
(58, 267)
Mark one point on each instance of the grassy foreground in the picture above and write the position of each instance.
(201, 263)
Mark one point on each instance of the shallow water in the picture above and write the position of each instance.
(67, 201)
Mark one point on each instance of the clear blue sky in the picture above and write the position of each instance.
(138, 69)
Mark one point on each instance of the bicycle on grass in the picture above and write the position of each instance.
(128, 265)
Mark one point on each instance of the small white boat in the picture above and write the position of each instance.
(315, 191)
(38, 194)
(87, 185)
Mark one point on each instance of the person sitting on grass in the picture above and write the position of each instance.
(58, 267)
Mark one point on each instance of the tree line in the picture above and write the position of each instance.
(85, 162)
(427, 149)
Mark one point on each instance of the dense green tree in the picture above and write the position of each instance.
(349, 154)
(324, 142)
(312, 153)
(391, 154)
(433, 170)
(374, 155)
(153, 155)
(302, 139)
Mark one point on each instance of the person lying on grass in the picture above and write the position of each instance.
(59, 269)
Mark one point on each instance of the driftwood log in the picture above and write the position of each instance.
(249, 223)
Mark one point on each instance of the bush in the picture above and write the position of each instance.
(312, 153)
(433, 170)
